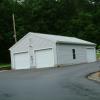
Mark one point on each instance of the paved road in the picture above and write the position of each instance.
(68, 83)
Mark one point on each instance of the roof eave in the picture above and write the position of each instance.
(90, 44)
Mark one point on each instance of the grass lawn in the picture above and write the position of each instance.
(5, 66)
(98, 56)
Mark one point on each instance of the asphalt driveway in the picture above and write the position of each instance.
(68, 83)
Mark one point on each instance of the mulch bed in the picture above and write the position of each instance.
(95, 76)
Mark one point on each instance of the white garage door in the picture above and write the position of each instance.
(22, 61)
(44, 58)
(91, 55)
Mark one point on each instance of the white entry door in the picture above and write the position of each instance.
(44, 58)
(91, 55)
(21, 61)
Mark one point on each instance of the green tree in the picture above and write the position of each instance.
(79, 18)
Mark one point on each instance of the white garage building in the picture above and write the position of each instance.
(37, 50)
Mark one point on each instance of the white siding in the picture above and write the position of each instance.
(30, 43)
(21, 47)
(38, 43)
(65, 55)
(34, 41)
(12, 60)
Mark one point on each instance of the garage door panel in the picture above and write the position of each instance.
(91, 55)
(44, 58)
(21, 61)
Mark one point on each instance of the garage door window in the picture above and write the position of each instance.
(74, 53)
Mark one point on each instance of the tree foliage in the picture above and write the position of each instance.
(79, 18)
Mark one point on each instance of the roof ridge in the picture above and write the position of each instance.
(50, 34)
